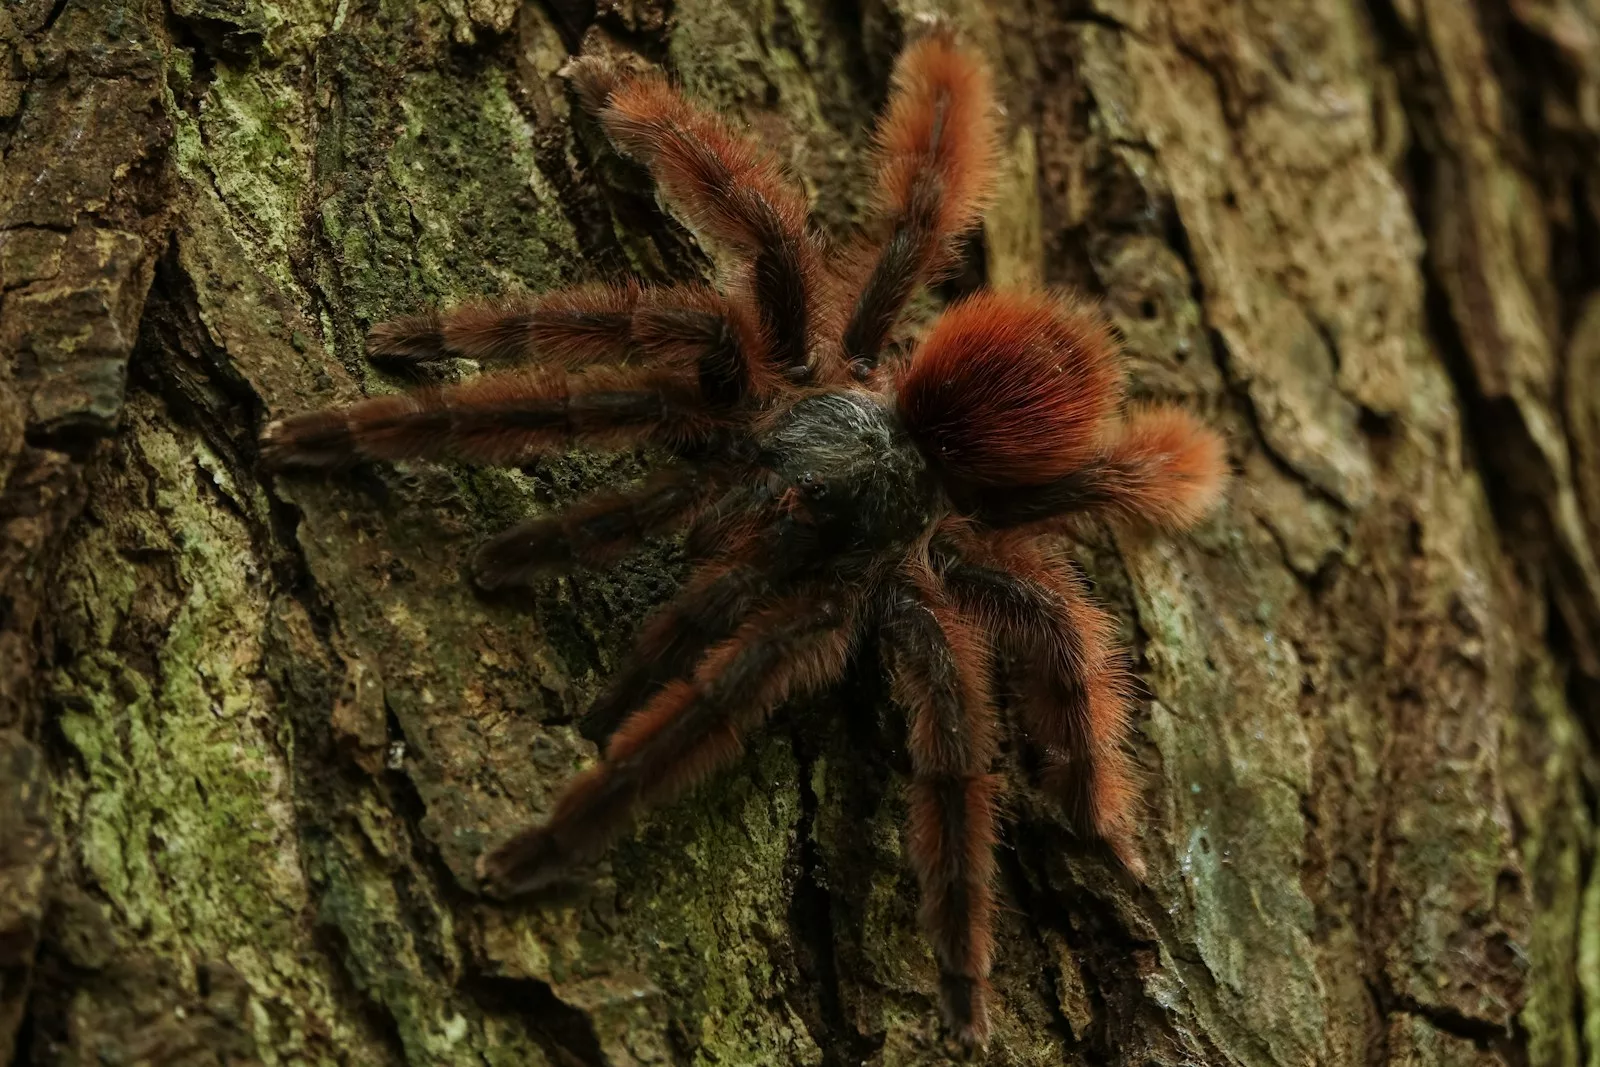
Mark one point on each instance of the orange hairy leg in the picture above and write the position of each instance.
(936, 151)
(693, 327)
(727, 187)
(673, 640)
(498, 418)
(938, 664)
(1076, 688)
(686, 731)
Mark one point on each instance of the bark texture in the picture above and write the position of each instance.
(253, 733)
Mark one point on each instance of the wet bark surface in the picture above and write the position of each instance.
(254, 731)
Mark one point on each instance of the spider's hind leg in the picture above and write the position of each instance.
(938, 663)
(686, 731)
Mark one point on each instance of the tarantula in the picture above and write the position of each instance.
(830, 483)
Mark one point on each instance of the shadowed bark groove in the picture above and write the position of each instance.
(254, 732)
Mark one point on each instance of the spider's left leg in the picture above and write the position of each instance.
(729, 189)
(1077, 689)
(939, 665)
(597, 530)
(936, 163)
(689, 729)
(691, 326)
(499, 419)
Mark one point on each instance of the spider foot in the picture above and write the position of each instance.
(594, 79)
(316, 440)
(965, 1002)
(528, 862)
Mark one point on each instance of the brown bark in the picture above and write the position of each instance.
(254, 731)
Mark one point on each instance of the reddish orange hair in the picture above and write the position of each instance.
(1173, 467)
(1011, 389)
(941, 118)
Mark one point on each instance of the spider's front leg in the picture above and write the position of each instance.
(939, 664)
(936, 162)
(729, 189)
(689, 729)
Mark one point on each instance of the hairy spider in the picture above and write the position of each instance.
(827, 489)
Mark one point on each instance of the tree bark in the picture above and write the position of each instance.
(255, 731)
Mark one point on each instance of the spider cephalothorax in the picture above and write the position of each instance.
(828, 493)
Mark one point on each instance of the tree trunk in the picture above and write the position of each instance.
(255, 731)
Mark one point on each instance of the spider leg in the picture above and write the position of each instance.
(688, 729)
(728, 188)
(674, 639)
(936, 161)
(596, 530)
(717, 596)
(938, 663)
(676, 326)
(498, 419)
(730, 525)
(1077, 689)
(570, 327)
(1164, 467)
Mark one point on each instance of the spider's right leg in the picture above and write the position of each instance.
(1076, 696)
(729, 188)
(685, 732)
(936, 163)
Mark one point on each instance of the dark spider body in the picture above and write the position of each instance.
(828, 491)
(850, 478)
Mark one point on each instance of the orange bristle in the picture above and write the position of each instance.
(941, 117)
(1011, 390)
(1177, 466)
(716, 174)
